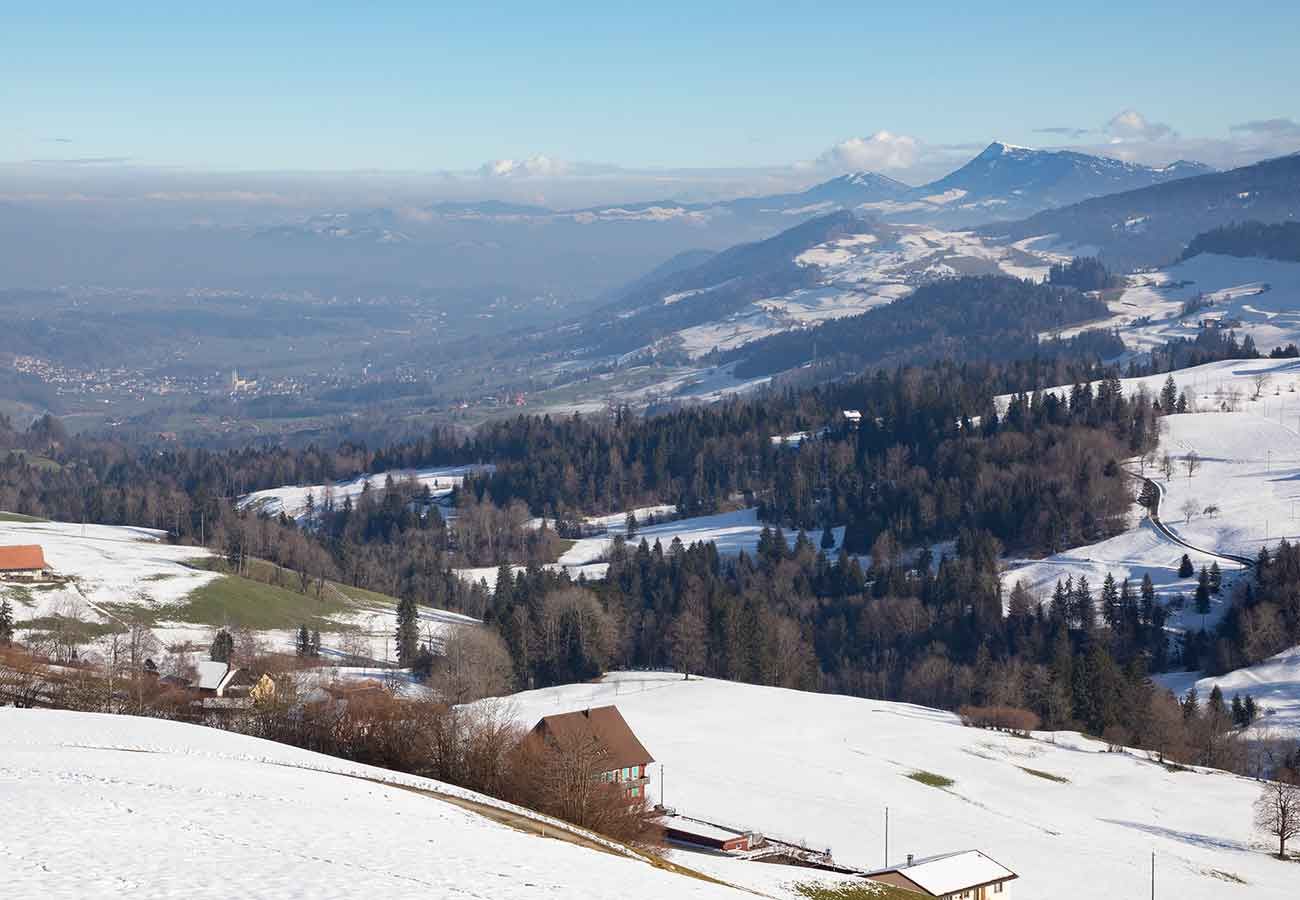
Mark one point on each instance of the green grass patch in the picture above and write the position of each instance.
(18, 593)
(78, 629)
(932, 779)
(268, 573)
(237, 601)
(1039, 773)
(17, 517)
(855, 891)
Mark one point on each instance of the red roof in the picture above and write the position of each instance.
(21, 558)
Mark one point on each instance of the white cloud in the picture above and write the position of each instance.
(1280, 129)
(533, 166)
(882, 150)
(1131, 125)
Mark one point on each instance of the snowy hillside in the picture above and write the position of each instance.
(821, 769)
(292, 500)
(731, 532)
(1258, 297)
(1274, 683)
(107, 575)
(198, 813)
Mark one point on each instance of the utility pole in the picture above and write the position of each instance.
(1153, 875)
(886, 837)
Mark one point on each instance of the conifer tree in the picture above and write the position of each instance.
(1185, 567)
(6, 623)
(1216, 578)
(407, 636)
(1203, 595)
(1110, 605)
(1169, 395)
(303, 644)
(223, 645)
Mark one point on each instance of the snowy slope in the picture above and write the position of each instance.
(822, 768)
(106, 564)
(1263, 295)
(732, 533)
(112, 569)
(292, 499)
(197, 813)
(1274, 683)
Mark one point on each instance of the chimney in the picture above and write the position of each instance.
(909, 859)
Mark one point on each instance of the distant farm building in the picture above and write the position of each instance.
(691, 832)
(23, 562)
(622, 758)
(219, 679)
(966, 875)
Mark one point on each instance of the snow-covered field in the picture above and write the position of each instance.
(821, 769)
(1249, 470)
(1262, 294)
(113, 569)
(1140, 551)
(292, 499)
(190, 812)
(732, 532)
(106, 564)
(1274, 683)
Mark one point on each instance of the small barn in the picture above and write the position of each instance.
(624, 760)
(23, 562)
(699, 834)
(965, 875)
(216, 678)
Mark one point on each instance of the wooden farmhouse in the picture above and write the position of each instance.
(603, 733)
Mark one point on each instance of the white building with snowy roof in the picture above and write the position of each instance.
(965, 875)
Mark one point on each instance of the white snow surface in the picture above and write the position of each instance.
(106, 564)
(292, 499)
(820, 769)
(113, 806)
(1263, 295)
(1274, 683)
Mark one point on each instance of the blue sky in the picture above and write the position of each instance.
(341, 87)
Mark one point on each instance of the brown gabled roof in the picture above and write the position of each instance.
(21, 557)
(604, 724)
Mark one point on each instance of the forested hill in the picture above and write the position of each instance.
(1280, 241)
(987, 317)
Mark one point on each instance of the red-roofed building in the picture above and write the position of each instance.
(23, 562)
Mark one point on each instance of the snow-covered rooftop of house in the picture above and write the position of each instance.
(951, 872)
(211, 673)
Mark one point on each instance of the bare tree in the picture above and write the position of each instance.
(475, 663)
(1188, 509)
(1260, 381)
(1191, 462)
(1277, 812)
(688, 636)
(1167, 465)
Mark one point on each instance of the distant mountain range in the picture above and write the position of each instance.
(1006, 182)
(1152, 225)
(1003, 182)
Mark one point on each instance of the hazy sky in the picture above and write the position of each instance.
(547, 91)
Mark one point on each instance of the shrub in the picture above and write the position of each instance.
(1000, 718)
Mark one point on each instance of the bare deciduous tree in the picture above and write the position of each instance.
(1188, 509)
(1191, 462)
(1277, 812)
(475, 663)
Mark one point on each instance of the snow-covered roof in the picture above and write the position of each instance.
(951, 872)
(211, 674)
